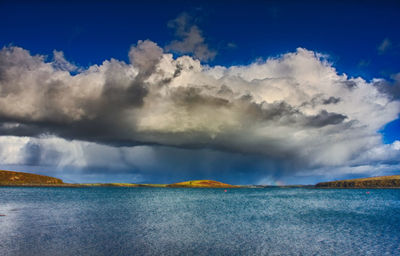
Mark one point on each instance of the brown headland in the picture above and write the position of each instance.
(11, 178)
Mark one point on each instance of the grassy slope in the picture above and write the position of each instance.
(201, 184)
(22, 178)
(373, 182)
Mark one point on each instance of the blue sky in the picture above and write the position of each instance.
(359, 39)
(93, 31)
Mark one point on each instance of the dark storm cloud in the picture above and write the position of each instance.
(295, 108)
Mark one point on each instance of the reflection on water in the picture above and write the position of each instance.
(159, 221)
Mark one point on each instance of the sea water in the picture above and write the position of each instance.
(182, 221)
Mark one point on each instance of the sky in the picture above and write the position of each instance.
(243, 92)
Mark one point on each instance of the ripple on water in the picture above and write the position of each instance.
(157, 221)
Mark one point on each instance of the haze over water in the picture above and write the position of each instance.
(157, 221)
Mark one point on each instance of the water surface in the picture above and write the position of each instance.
(182, 221)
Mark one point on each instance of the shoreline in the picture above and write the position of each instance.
(23, 179)
(166, 186)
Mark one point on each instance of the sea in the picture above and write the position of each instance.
(183, 221)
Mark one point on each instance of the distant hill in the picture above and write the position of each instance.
(120, 185)
(201, 184)
(10, 178)
(374, 182)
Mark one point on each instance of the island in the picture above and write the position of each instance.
(373, 182)
(201, 184)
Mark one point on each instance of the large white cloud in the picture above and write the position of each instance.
(294, 107)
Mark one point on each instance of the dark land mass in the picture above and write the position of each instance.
(373, 182)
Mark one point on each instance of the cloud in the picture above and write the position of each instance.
(292, 113)
(390, 88)
(145, 56)
(79, 161)
(364, 63)
(191, 39)
(384, 46)
(59, 62)
(231, 45)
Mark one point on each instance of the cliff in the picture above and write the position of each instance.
(373, 182)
